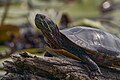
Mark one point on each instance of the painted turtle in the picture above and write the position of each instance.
(92, 46)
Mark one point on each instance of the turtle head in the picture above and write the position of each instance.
(48, 28)
(46, 24)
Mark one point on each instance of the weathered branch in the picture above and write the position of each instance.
(26, 67)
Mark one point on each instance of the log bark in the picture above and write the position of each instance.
(27, 67)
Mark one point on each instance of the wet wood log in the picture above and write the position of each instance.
(27, 67)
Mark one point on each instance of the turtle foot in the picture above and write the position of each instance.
(95, 73)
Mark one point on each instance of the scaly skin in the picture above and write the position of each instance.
(105, 60)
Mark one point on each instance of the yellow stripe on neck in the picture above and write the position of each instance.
(64, 52)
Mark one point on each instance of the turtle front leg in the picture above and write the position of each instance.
(95, 70)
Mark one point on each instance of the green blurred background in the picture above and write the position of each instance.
(19, 33)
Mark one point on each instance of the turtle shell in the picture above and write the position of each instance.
(94, 40)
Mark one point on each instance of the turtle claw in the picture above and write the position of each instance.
(95, 73)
